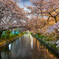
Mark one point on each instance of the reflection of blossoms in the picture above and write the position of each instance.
(57, 43)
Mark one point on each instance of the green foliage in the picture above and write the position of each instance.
(41, 36)
(6, 34)
(13, 35)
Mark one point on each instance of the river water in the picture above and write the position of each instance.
(26, 47)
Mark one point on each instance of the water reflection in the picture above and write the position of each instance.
(31, 38)
(26, 47)
(9, 46)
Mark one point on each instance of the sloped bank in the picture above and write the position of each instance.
(50, 48)
(8, 42)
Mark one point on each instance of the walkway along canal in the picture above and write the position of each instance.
(26, 47)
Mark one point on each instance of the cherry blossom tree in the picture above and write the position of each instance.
(10, 13)
(49, 8)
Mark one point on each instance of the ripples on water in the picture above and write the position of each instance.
(26, 47)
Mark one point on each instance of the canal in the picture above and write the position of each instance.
(26, 47)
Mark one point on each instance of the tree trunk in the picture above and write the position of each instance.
(1, 33)
(55, 19)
